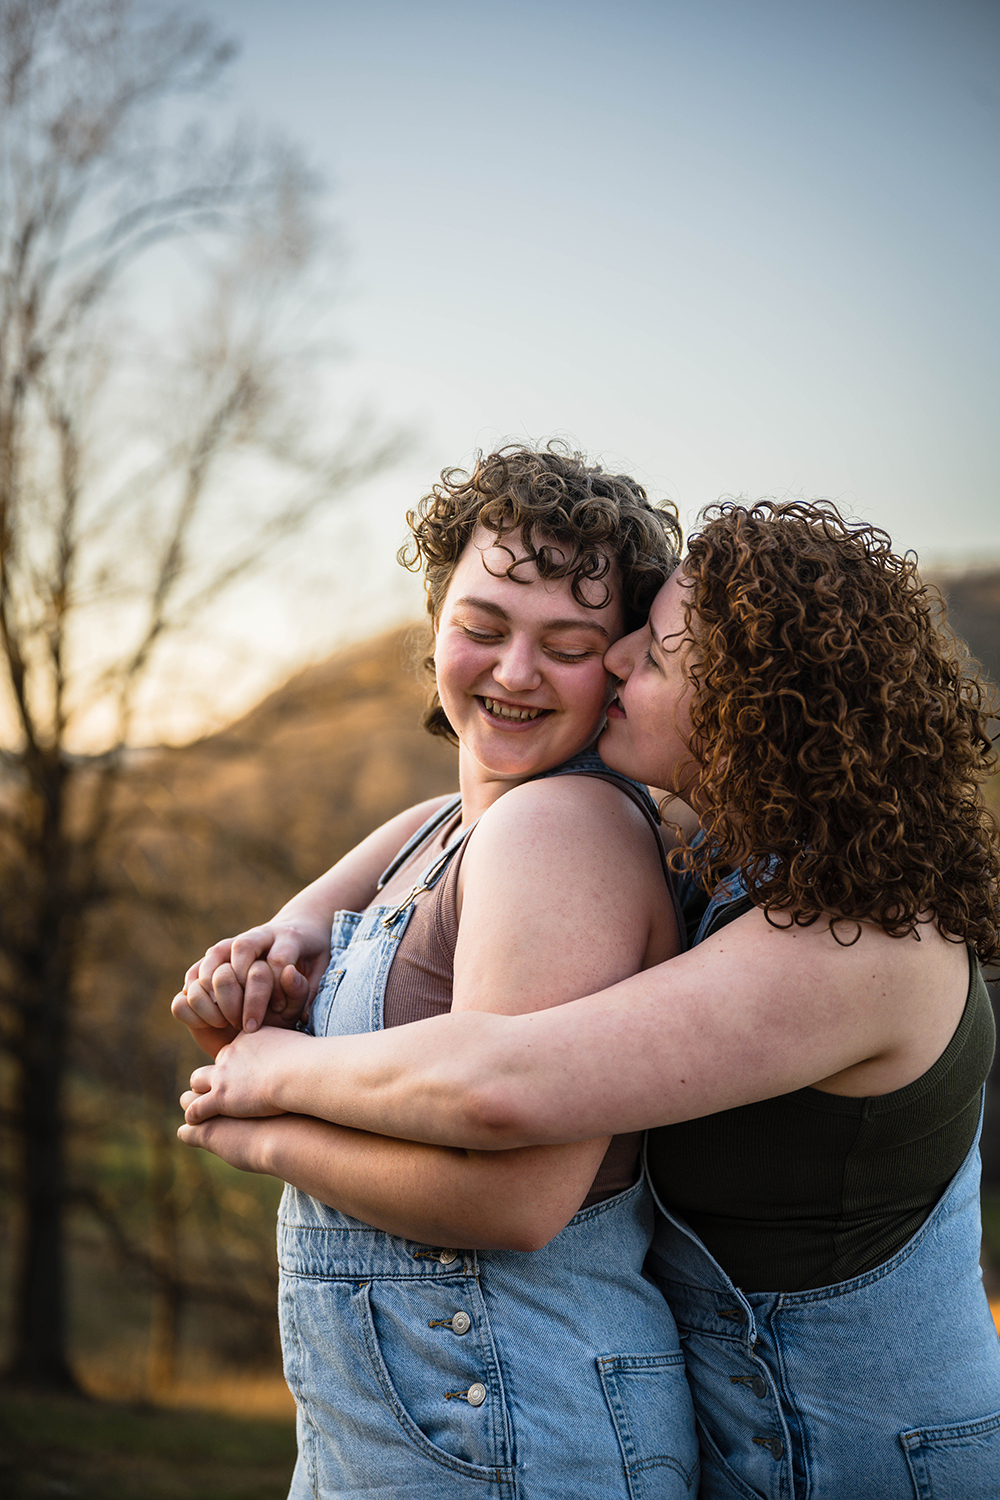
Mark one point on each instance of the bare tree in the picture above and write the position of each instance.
(120, 433)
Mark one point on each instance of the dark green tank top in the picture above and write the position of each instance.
(812, 1188)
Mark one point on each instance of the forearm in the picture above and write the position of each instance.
(754, 1012)
(431, 1194)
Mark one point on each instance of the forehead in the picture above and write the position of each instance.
(482, 570)
(667, 614)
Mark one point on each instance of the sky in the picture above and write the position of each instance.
(730, 248)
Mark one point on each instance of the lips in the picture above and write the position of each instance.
(510, 712)
(615, 710)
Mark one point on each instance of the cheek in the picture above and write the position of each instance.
(590, 690)
(456, 661)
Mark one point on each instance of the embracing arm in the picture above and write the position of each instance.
(518, 930)
(436, 1195)
(753, 1012)
(273, 970)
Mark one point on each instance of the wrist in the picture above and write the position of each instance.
(263, 1156)
(286, 1072)
(304, 913)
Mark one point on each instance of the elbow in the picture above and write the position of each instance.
(534, 1236)
(528, 1232)
(494, 1118)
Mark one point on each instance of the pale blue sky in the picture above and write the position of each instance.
(733, 247)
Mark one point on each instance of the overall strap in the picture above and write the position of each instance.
(429, 878)
(423, 833)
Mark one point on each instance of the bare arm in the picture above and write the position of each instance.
(274, 970)
(436, 1195)
(517, 930)
(753, 1012)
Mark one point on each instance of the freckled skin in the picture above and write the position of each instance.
(527, 646)
(649, 725)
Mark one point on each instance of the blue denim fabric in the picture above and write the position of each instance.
(885, 1387)
(438, 1372)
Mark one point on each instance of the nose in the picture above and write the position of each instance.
(516, 667)
(619, 659)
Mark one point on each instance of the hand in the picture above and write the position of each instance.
(237, 1142)
(264, 976)
(244, 1080)
(196, 1009)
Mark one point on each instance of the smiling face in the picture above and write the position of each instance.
(519, 665)
(649, 723)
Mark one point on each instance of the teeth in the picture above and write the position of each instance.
(501, 711)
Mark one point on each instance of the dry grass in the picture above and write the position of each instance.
(228, 1394)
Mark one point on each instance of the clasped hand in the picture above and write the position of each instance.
(242, 1082)
(265, 976)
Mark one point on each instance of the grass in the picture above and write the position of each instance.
(82, 1449)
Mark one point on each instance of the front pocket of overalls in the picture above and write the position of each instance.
(650, 1403)
(443, 1386)
(960, 1462)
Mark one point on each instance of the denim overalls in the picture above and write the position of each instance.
(438, 1372)
(883, 1387)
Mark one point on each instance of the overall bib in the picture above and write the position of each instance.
(882, 1387)
(438, 1372)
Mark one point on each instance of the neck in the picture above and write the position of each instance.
(480, 789)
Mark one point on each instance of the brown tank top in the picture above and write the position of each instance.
(420, 977)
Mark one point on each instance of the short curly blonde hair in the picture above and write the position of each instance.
(842, 731)
(544, 496)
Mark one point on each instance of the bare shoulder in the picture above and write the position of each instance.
(887, 1005)
(561, 893)
(577, 850)
(581, 809)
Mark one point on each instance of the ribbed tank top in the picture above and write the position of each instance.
(813, 1188)
(420, 978)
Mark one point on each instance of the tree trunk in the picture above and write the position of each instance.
(43, 1007)
(41, 1334)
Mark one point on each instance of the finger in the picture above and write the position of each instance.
(291, 995)
(203, 1078)
(286, 949)
(260, 992)
(201, 1005)
(219, 953)
(249, 947)
(181, 1010)
(199, 1108)
(228, 992)
(295, 985)
(189, 1134)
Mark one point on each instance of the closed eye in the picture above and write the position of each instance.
(571, 656)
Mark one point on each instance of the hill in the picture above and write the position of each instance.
(973, 599)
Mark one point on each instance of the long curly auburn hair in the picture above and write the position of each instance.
(542, 497)
(842, 732)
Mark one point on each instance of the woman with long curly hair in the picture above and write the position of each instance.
(813, 1068)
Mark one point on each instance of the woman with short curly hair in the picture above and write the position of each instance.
(814, 1066)
(413, 1319)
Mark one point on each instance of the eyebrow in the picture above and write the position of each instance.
(572, 623)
